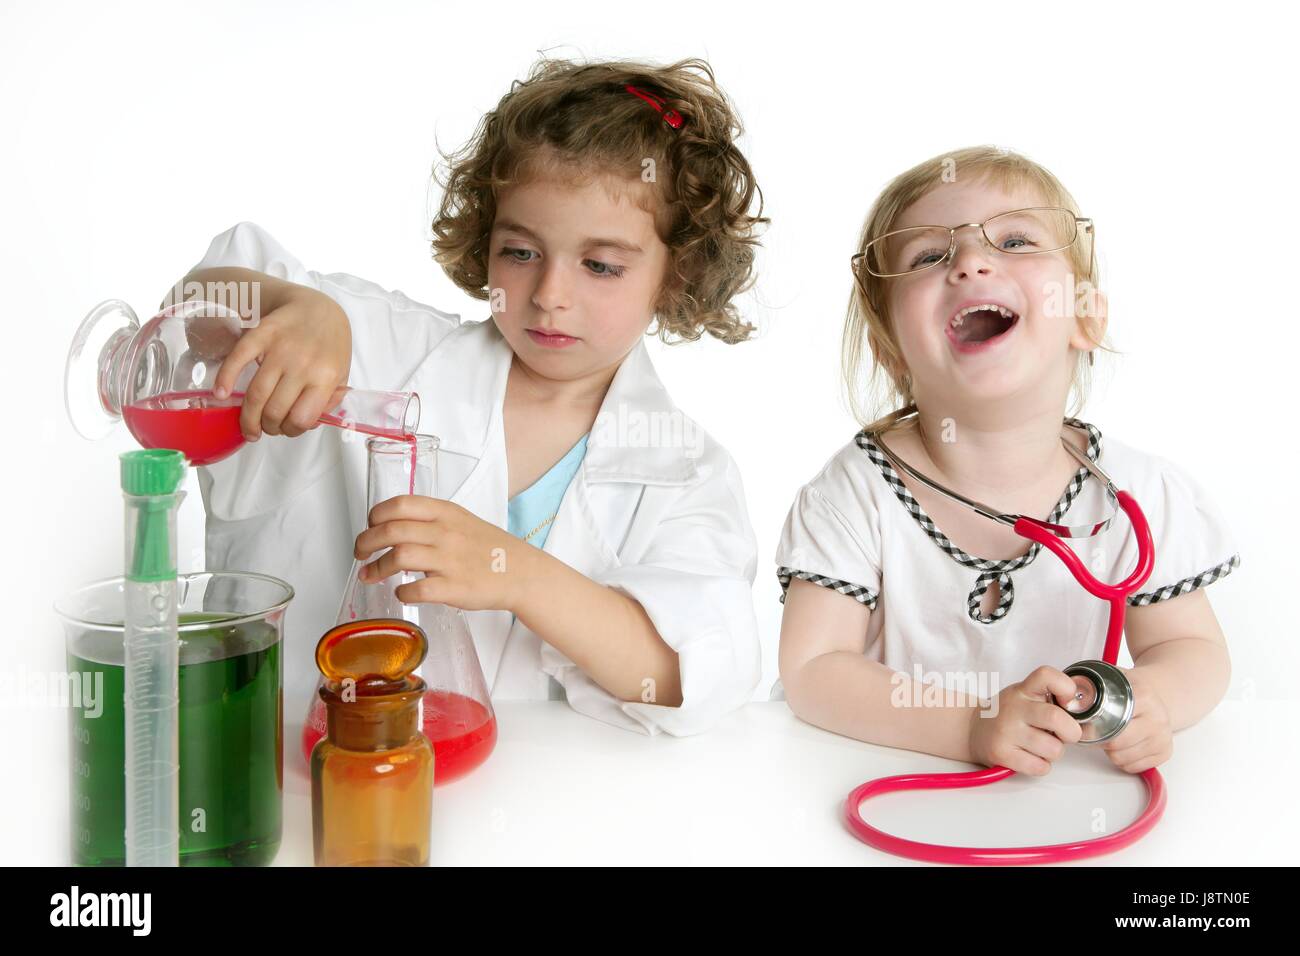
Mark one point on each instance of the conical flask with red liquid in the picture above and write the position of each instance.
(457, 714)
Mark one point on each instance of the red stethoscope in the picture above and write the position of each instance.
(1107, 712)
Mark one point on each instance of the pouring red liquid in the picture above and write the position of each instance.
(206, 429)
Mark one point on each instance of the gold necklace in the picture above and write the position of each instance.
(539, 527)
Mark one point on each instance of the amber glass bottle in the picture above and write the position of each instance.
(372, 774)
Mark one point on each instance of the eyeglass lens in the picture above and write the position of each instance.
(1022, 232)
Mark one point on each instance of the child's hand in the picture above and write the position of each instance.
(304, 349)
(1148, 740)
(1030, 731)
(468, 563)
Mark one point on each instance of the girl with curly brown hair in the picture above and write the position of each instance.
(596, 537)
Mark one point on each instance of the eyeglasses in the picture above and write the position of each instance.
(1021, 232)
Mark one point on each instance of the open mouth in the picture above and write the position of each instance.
(978, 324)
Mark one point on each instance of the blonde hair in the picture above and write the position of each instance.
(867, 323)
(579, 121)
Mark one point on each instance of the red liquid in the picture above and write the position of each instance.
(460, 729)
(329, 418)
(203, 428)
(206, 429)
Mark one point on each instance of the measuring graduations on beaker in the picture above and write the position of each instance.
(231, 743)
(160, 377)
(457, 714)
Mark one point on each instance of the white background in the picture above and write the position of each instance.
(133, 133)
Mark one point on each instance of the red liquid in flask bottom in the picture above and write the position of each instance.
(202, 427)
(460, 729)
(205, 429)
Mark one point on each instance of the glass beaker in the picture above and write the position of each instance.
(159, 378)
(457, 714)
(231, 718)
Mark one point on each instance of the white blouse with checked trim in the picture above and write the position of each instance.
(856, 528)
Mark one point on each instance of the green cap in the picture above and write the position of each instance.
(156, 471)
(149, 481)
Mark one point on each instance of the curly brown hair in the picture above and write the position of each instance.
(579, 121)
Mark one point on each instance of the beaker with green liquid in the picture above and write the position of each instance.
(231, 749)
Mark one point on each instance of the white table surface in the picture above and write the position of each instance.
(764, 787)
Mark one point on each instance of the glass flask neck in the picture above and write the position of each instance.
(112, 371)
(397, 467)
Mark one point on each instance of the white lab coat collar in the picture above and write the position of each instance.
(628, 445)
(639, 435)
(467, 371)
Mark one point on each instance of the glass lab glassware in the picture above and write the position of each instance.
(457, 714)
(159, 377)
(151, 482)
(372, 774)
(230, 750)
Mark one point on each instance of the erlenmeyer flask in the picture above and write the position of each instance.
(457, 714)
(160, 376)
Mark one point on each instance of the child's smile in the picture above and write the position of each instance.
(981, 324)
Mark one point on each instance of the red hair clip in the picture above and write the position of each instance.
(671, 117)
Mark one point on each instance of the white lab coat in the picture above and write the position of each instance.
(665, 524)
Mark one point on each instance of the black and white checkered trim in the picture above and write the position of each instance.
(990, 570)
(1006, 596)
(1186, 584)
(863, 595)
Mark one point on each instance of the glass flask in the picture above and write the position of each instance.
(159, 377)
(457, 714)
(372, 774)
(230, 749)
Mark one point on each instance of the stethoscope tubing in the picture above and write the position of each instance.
(1117, 596)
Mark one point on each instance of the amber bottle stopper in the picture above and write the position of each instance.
(378, 655)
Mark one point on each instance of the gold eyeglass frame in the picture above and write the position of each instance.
(1079, 221)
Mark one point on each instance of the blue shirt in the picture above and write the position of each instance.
(541, 499)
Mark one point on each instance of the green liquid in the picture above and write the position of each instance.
(230, 747)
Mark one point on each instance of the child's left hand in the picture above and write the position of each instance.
(468, 561)
(1148, 740)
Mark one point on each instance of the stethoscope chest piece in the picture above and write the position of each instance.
(1105, 700)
